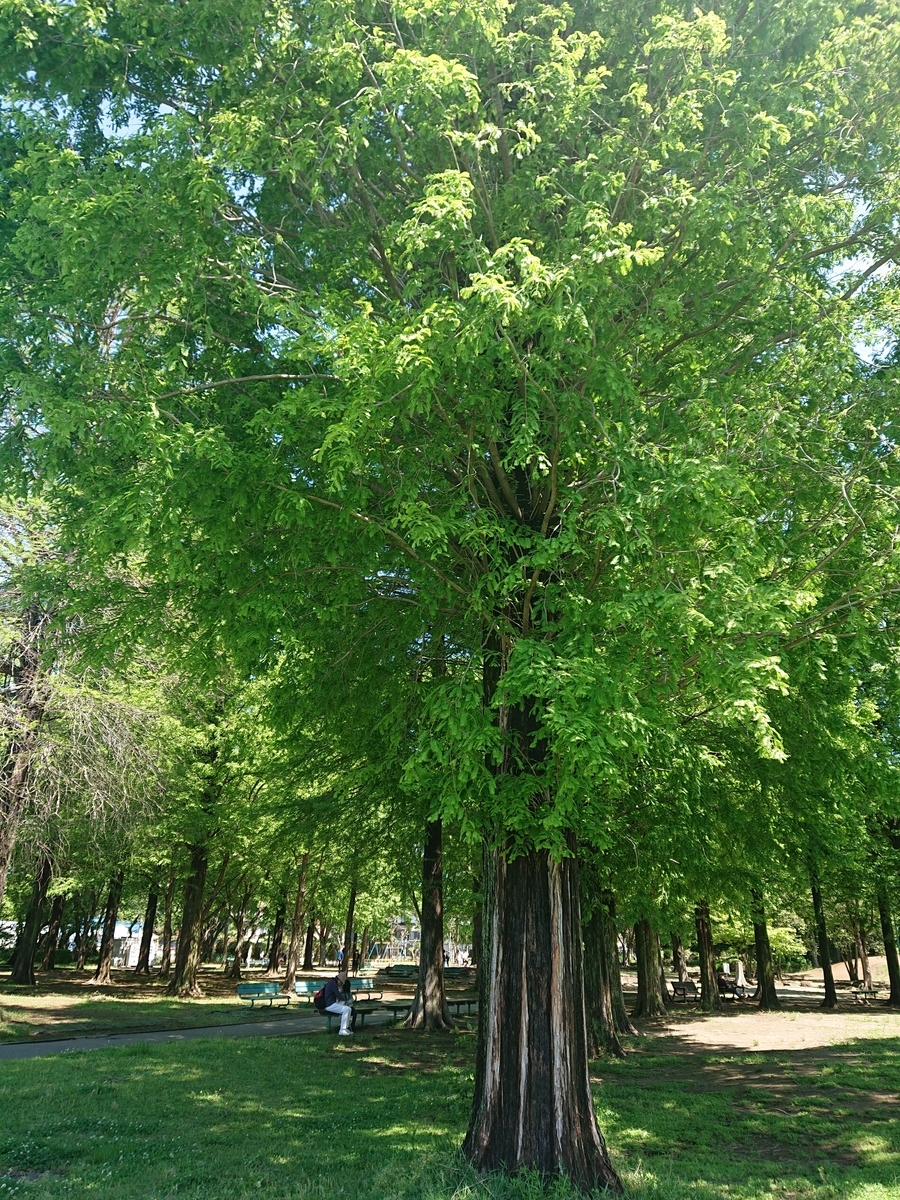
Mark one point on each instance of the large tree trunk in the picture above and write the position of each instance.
(429, 1007)
(308, 946)
(142, 966)
(52, 941)
(165, 942)
(679, 959)
(532, 1105)
(650, 1000)
(102, 975)
(187, 957)
(710, 1000)
(862, 953)
(274, 966)
(297, 925)
(30, 700)
(323, 943)
(830, 1000)
(598, 985)
(765, 969)
(890, 944)
(26, 946)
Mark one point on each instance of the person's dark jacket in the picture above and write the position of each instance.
(334, 994)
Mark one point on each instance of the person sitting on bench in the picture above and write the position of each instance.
(337, 1000)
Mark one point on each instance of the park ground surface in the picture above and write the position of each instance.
(799, 1105)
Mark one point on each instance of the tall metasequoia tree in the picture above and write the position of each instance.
(533, 276)
(830, 1000)
(165, 941)
(273, 966)
(765, 968)
(601, 981)
(187, 955)
(710, 1000)
(679, 959)
(429, 1007)
(650, 1001)
(26, 946)
(890, 944)
(23, 714)
(301, 907)
(103, 975)
(308, 946)
(52, 937)
(142, 966)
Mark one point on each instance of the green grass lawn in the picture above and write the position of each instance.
(381, 1118)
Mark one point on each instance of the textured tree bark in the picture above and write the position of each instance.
(20, 741)
(308, 946)
(323, 943)
(765, 970)
(364, 947)
(429, 1009)
(710, 1000)
(532, 1106)
(142, 966)
(273, 967)
(52, 941)
(890, 944)
(601, 1025)
(187, 956)
(650, 1001)
(830, 1000)
(679, 959)
(297, 926)
(102, 975)
(165, 942)
(26, 946)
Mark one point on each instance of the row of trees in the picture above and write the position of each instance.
(512, 389)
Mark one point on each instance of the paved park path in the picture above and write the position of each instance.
(277, 1027)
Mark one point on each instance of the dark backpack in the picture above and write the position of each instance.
(319, 999)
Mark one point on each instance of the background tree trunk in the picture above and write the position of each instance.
(187, 956)
(26, 945)
(323, 943)
(532, 1105)
(830, 1000)
(765, 970)
(300, 906)
(710, 1000)
(29, 710)
(83, 938)
(862, 954)
(102, 975)
(240, 932)
(274, 967)
(679, 958)
(650, 1002)
(142, 966)
(348, 927)
(890, 944)
(598, 985)
(56, 912)
(165, 944)
(429, 1009)
(308, 947)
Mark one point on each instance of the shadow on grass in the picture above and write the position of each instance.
(381, 1118)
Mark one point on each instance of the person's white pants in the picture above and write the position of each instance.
(346, 1012)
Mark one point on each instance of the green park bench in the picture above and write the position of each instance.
(457, 1002)
(862, 994)
(262, 991)
(458, 972)
(363, 1004)
(400, 971)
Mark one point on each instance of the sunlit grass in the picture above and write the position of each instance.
(382, 1119)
